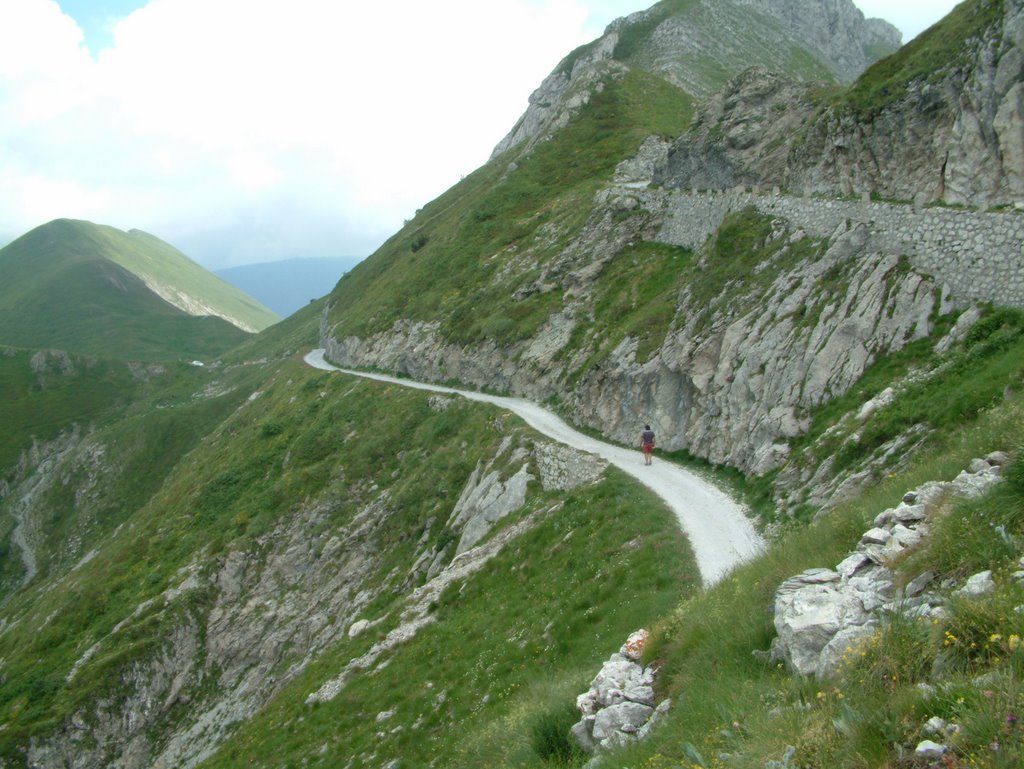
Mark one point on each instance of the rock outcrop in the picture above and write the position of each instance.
(953, 135)
(742, 136)
(824, 614)
(620, 707)
(835, 30)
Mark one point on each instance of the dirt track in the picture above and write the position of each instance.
(717, 527)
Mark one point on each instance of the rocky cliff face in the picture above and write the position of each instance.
(835, 31)
(955, 139)
(742, 136)
(953, 136)
(735, 379)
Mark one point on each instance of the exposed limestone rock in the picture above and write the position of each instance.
(52, 361)
(562, 94)
(930, 751)
(639, 171)
(619, 707)
(977, 586)
(740, 136)
(486, 500)
(834, 29)
(733, 390)
(38, 470)
(822, 615)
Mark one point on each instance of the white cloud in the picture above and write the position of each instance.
(911, 16)
(207, 117)
(202, 108)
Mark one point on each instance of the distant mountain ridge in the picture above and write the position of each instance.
(96, 290)
(288, 285)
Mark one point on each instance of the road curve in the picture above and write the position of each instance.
(719, 531)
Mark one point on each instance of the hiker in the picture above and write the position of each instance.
(647, 443)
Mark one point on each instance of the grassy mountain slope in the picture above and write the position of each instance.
(46, 392)
(239, 466)
(527, 212)
(78, 286)
(182, 282)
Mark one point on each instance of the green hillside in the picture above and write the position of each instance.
(78, 286)
(478, 228)
(224, 482)
(45, 392)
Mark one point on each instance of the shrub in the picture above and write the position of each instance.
(418, 242)
(271, 429)
(550, 738)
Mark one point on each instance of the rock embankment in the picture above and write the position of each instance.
(975, 255)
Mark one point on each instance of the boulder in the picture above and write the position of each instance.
(626, 717)
(620, 702)
(930, 751)
(918, 585)
(807, 618)
(977, 586)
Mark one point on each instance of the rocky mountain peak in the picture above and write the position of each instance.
(836, 30)
(906, 130)
(698, 46)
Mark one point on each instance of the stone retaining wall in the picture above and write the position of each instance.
(979, 256)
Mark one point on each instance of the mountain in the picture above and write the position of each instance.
(698, 45)
(290, 284)
(96, 290)
(937, 122)
(259, 564)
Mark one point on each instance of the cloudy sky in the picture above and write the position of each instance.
(250, 130)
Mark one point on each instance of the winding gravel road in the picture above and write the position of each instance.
(721, 534)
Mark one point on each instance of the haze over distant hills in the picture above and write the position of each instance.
(288, 285)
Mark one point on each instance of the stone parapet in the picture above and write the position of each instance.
(979, 257)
